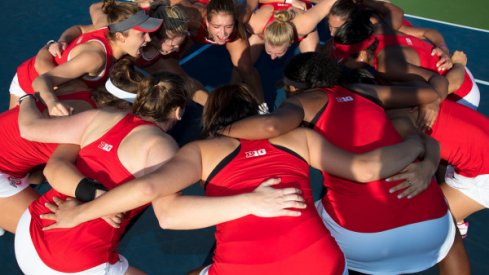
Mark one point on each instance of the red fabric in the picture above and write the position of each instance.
(358, 125)
(427, 61)
(19, 155)
(282, 245)
(26, 72)
(463, 135)
(94, 242)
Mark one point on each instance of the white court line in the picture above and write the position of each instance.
(446, 23)
(482, 82)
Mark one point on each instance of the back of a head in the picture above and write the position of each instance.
(123, 76)
(175, 20)
(280, 31)
(355, 30)
(312, 70)
(343, 8)
(225, 105)
(159, 96)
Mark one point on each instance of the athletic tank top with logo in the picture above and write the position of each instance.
(94, 242)
(358, 125)
(19, 155)
(281, 245)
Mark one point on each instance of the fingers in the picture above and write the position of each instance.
(290, 190)
(270, 182)
(48, 216)
(402, 185)
(57, 200)
(53, 208)
(113, 221)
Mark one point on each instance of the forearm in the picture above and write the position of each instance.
(29, 115)
(43, 85)
(63, 176)
(281, 121)
(70, 34)
(193, 212)
(440, 85)
(250, 76)
(386, 161)
(432, 157)
(44, 61)
(455, 77)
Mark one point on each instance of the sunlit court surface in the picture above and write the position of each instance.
(28, 25)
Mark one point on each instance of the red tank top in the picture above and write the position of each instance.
(426, 60)
(26, 73)
(94, 242)
(282, 245)
(19, 155)
(358, 125)
(466, 150)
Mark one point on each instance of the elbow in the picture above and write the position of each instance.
(26, 132)
(368, 172)
(271, 130)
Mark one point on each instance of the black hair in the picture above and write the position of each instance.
(312, 69)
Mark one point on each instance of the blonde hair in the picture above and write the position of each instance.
(281, 31)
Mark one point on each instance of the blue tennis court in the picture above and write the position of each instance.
(29, 24)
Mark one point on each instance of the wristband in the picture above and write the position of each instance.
(49, 43)
(26, 96)
(86, 189)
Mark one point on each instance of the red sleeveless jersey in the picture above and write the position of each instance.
(358, 125)
(281, 245)
(19, 155)
(26, 73)
(426, 60)
(462, 134)
(94, 242)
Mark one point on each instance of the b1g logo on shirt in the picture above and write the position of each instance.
(409, 41)
(344, 98)
(256, 153)
(105, 146)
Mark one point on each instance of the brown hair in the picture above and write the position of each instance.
(226, 105)
(175, 20)
(227, 7)
(125, 77)
(281, 31)
(159, 96)
(117, 12)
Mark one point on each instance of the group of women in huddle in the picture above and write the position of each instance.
(98, 124)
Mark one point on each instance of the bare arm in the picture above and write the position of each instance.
(191, 212)
(240, 54)
(398, 96)
(60, 170)
(289, 116)
(456, 75)
(417, 175)
(35, 127)
(306, 22)
(376, 164)
(88, 61)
